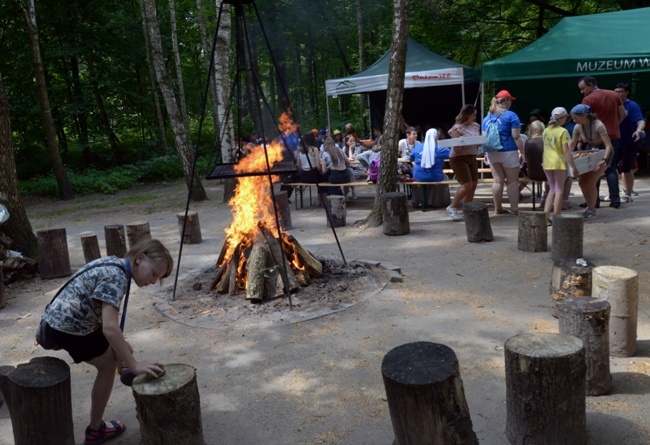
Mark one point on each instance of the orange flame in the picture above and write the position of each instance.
(251, 204)
(286, 123)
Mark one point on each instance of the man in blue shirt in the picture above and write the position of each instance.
(632, 133)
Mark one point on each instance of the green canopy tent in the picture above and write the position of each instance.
(613, 47)
(435, 88)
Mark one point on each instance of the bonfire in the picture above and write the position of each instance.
(257, 257)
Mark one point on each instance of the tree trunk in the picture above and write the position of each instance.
(362, 66)
(18, 227)
(181, 136)
(212, 87)
(65, 190)
(387, 181)
(179, 69)
(160, 120)
(223, 84)
(80, 111)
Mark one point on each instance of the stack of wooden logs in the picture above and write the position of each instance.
(258, 268)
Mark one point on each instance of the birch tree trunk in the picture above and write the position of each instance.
(179, 69)
(160, 121)
(212, 88)
(17, 227)
(181, 135)
(65, 190)
(387, 181)
(223, 82)
(362, 66)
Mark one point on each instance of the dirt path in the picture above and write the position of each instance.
(319, 381)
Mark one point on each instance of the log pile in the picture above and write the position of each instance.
(257, 268)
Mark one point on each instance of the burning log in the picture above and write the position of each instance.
(259, 269)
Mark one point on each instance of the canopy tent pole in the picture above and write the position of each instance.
(327, 105)
(462, 87)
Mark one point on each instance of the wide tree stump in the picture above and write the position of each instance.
(587, 318)
(115, 240)
(169, 409)
(395, 215)
(192, 227)
(137, 231)
(337, 210)
(619, 286)
(569, 279)
(477, 222)
(433, 195)
(533, 232)
(53, 256)
(90, 246)
(284, 210)
(568, 233)
(425, 396)
(545, 390)
(39, 398)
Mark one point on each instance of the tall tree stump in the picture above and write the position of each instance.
(433, 195)
(533, 232)
(137, 231)
(192, 227)
(284, 210)
(169, 409)
(569, 279)
(477, 222)
(394, 213)
(619, 286)
(568, 233)
(425, 396)
(53, 256)
(90, 246)
(39, 398)
(115, 240)
(337, 210)
(545, 390)
(587, 318)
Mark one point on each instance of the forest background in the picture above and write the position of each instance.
(125, 81)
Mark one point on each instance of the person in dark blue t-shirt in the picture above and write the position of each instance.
(632, 134)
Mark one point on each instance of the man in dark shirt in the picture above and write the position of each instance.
(632, 134)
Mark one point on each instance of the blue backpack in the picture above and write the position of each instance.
(492, 138)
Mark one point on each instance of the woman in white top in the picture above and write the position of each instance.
(309, 159)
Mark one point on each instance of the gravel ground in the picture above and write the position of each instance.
(283, 379)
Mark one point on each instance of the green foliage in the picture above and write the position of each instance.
(160, 169)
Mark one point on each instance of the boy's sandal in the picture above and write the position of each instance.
(104, 433)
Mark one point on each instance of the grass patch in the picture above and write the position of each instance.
(136, 199)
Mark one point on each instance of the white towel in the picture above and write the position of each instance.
(429, 149)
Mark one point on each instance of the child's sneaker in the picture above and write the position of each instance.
(627, 198)
(588, 215)
(104, 433)
(454, 214)
(634, 193)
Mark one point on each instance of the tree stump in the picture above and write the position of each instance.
(434, 195)
(568, 233)
(395, 215)
(39, 398)
(425, 396)
(569, 279)
(587, 318)
(337, 210)
(619, 286)
(477, 222)
(137, 231)
(169, 409)
(284, 210)
(53, 257)
(3, 300)
(90, 246)
(533, 232)
(115, 240)
(192, 227)
(545, 390)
